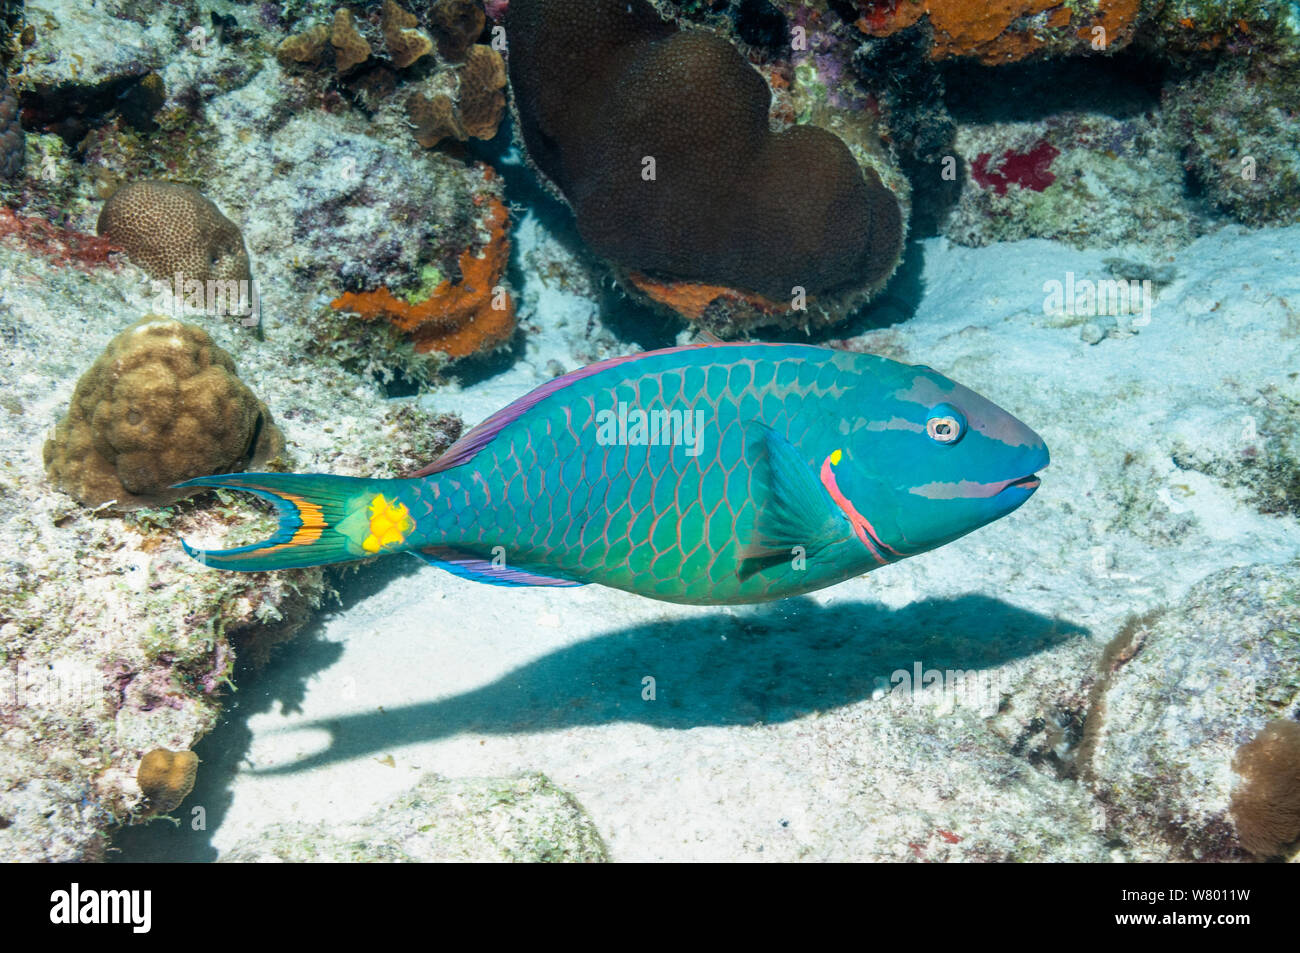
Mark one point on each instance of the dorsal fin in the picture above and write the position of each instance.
(464, 449)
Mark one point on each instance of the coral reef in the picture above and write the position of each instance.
(84, 63)
(1154, 469)
(457, 318)
(162, 404)
(403, 41)
(113, 643)
(1176, 705)
(659, 140)
(524, 818)
(169, 229)
(167, 777)
(1266, 806)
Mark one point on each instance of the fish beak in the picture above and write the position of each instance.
(1030, 482)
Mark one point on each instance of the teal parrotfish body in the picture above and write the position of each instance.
(710, 474)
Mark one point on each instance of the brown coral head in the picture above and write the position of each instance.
(660, 141)
(169, 229)
(458, 24)
(167, 777)
(404, 41)
(1266, 806)
(307, 47)
(162, 404)
(480, 103)
(482, 100)
(350, 47)
(434, 120)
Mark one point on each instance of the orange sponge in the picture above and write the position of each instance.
(458, 318)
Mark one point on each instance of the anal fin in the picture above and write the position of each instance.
(472, 566)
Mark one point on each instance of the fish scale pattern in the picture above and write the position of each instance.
(650, 519)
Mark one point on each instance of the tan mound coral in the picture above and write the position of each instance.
(162, 404)
(477, 111)
(169, 229)
(167, 777)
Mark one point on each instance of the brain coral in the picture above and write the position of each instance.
(168, 228)
(602, 87)
(161, 404)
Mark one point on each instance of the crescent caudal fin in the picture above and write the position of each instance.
(322, 519)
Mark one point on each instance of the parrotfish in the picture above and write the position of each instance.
(707, 474)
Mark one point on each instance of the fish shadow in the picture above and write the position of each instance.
(769, 664)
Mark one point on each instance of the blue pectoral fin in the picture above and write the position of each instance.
(470, 566)
(793, 511)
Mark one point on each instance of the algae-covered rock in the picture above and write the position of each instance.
(521, 818)
(1186, 689)
(162, 404)
(1239, 127)
(1088, 179)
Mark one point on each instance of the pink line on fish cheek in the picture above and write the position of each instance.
(860, 524)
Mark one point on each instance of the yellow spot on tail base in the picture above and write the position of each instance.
(835, 458)
(390, 524)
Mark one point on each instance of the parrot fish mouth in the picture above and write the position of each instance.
(1029, 483)
(971, 490)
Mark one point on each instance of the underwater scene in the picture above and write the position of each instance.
(638, 430)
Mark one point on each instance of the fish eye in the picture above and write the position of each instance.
(946, 424)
